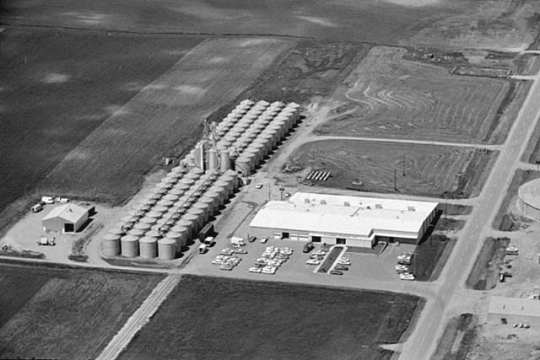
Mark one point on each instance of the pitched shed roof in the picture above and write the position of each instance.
(68, 212)
(514, 306)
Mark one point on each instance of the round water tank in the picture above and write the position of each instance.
(117, 230)
(111, 245)
(166, 249)
(528, 202)
(181, 186)
(129, 246)
(148, 247)
(144, 227)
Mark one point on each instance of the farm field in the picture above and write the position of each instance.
(165, 117)
(47, 313)
(309, 70)
(388, 96)
(59, 85)
(210, 318)
(476, 24)
(427, 170)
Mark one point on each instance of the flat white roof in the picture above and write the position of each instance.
(351, 215)
(514, 306)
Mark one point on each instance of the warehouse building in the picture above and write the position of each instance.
(66, 218)
(350, 220)
(514, 310)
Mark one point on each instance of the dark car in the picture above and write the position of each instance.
(341, 267)
(308, 247)
(336, 272)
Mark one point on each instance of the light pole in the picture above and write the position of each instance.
(281, 193)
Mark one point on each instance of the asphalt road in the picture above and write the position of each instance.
(422, 342)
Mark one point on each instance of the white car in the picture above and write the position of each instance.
(264, 239)
(344, 262)
(255, 269)
(406, 276)
(319, 252)
(269, 270)
(259, 186)
(313, 262)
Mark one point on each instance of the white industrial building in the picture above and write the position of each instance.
(351, 220)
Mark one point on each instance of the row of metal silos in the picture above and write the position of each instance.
(148, 217)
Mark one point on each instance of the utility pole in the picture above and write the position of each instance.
(395, 184)
(403, 165)
(281, 193)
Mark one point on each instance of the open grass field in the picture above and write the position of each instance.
(58, 86)
(428, 170)
(388, 96)
(65, 314)
(164, 118)
(210, 318)
(475, 23)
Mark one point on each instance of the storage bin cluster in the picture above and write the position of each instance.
(168, 218)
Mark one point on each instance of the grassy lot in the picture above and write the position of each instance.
(430, 257)
(58, 86)
(504, 221)
(428, 170)
(532, 151)
(388, 96)
(211, 318)
(458, 338)
(165, 118)
(68, 314)
(485, 273)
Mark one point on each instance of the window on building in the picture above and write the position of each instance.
(341, 241)
(285, 235)
(316, 239)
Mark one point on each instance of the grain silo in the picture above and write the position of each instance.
(171, 197)
(210, 203)
(218, 197)
(212, 159)
(206, 210)
(148, 247)
(136, 232)
(189, 225)
(225, 161)
(177, 237)
(111, 244)
(196, 223)
(187, 181)
(153, 233)
(165, 203)
(243, 165)
(144, 227)
(181, 186)
(166, 249)
(528, 201)
(117, 230)
(201, 215)
(129, 246)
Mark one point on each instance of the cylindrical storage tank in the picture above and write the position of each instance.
(243, 165)
(164, 186)
(187, 181)
(166, 249)
(254, 155)
(262, 145)
(153, 233)
(231, 137)
(225, 161)
(232, 177)
(170, 197)
(259, 149)
(273, 134)
(155, 215)
(210, 203)
(129, 246)
(188, 225)
(267, 139)
(181, 186)
(206, 208)
(148, 247)
(212, 159)
(176, 191)
(202, 214)
(111, 245)
(196, 223)
(144, 227)
(136, 232)
(177, 237)
(193, 176)
(166, 203)
(218, 197)
(117, 230)
(229, 185)
(159, 209)
(223, 191)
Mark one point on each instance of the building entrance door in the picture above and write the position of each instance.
(341, 241)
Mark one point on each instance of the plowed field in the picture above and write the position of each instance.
(388, 96)
(211, 318)
(65, 314)
(165, 116)
(427, 170)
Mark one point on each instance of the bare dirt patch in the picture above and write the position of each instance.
(457, 339)
(387, 96)
(50, 310)
(485, 272)
(215, 318)
(429, 170)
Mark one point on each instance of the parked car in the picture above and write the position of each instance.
(341, 267)
(313, 262)
(336, 272)
(252, 238)
(37, 207)
(308, 247)
(255, 269)
(264, 239)
(259, 186)
(406, 276)
(47, 200)
(240, 251)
